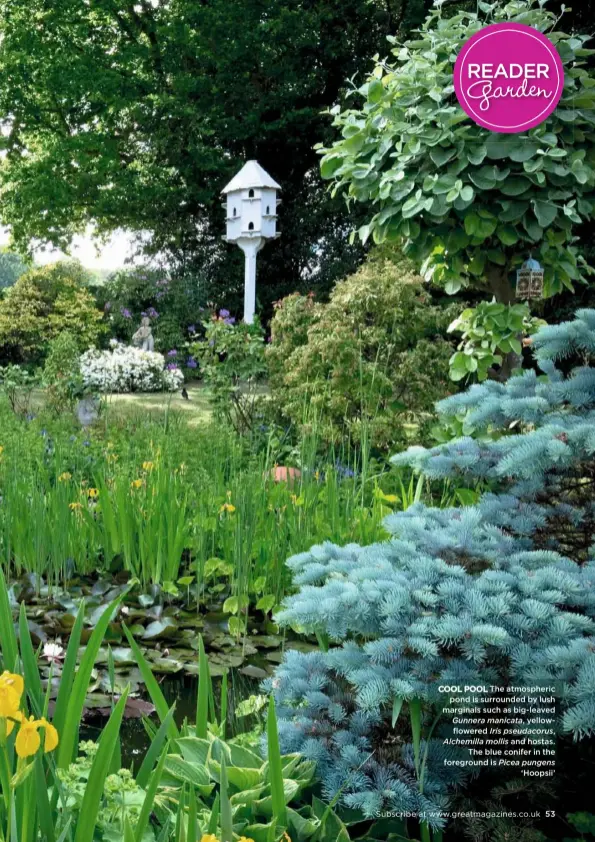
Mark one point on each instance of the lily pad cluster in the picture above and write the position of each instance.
(167, 630)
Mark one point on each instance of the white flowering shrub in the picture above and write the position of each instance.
(127, 369)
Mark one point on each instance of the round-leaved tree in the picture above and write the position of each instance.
(469, 205)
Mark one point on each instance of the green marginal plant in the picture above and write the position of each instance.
(202, 697)
(38, 807)
(158, 741)
(153, 688)
(226, 816)
(166, 507)
(99, 771)
(80, 685)
(152, 787)
(8, 638)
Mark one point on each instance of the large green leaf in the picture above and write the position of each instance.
(545, 212)
(8, 638)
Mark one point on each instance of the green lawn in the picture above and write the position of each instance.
(195, 409)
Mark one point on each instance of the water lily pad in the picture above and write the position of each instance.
(123, 656)
(266, 641)
(253, 671)
(226, 659)
(166, 665)
(159, 628)
(301, 646)
(275, 657)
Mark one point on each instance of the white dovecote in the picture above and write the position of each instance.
(251, 206)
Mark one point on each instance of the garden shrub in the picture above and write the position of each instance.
(128, 369)
(497, 593)
(367, 363)
(62, 372)
(232, 364)
(43, 303)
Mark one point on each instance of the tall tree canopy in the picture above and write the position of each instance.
(134, 114)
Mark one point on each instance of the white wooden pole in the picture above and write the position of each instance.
(250, 249)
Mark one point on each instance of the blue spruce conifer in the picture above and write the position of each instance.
(497, 593)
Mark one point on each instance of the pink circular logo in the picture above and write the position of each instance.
(508, 77)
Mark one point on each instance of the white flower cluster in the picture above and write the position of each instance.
(127, 369)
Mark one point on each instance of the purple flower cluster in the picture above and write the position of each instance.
(126, 312)
(344, 470)
(191, 363)
(229, 320)
(151, 312)
(172, 366)
(172, 353)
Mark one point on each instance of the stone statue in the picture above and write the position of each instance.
(143, 338)
(87, 410)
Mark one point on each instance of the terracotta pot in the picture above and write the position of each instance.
(283, 474)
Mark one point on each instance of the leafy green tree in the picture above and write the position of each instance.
(43, 303)
(469, 205)
(136, 114)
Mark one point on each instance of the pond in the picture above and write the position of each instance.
(182, 690)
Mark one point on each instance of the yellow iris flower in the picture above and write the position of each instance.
(28, 740)
(11, 690)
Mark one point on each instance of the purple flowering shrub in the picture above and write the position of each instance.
(175, 306)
